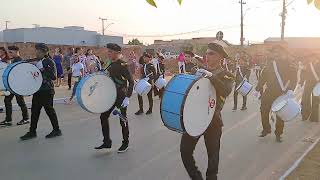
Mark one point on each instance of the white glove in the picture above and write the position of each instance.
(290, 94)
(125, 102)
(6, 93)
(204, 72)
(147, 79)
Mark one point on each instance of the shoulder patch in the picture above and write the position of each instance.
(123, 64)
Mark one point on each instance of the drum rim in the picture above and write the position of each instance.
(182, 105)
(7, 71)
(78, 90)
(239, 86)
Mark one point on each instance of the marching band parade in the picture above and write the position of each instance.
(276, 84)
(190, 97)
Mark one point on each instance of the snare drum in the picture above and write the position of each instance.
(286, 108)
(3, 67)
(160, 83)
(142, 87)
(316, 90)
(244, 88)
(188, 104)
(96, 93)
(22, 78)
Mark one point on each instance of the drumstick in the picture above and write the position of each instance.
(122, 117)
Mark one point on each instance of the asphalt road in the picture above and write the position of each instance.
(154, 150)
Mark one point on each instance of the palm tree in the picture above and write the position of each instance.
(316, 3)
(153, 3)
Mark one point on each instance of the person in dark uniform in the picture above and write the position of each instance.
(222, 80)
(190, 66)
(310, 103)
(268, 77)
(147, 71)
(14, 55)
(119, 73)
(44, 96)
(160, 73)
(4, 58)
(242, 72)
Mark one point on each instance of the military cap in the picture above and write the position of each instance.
(13, 48)
(218, 48)
(42, 46)
(114, 47)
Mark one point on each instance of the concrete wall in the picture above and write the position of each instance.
(103, 40)
(1, 36)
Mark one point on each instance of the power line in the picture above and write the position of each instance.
(176, 34)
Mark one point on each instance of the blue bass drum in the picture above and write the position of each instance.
(188, 104)
(22, 78)
(96, 93)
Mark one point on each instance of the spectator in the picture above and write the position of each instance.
(132, 64)
(4, 55)
(58, 58)
(67, 64)
(77, 70)
(181, 63)
(82, 58)
(92, 62)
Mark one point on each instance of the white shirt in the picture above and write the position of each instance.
(76, 69)
(155, 63)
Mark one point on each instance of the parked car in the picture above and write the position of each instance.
(170, 55)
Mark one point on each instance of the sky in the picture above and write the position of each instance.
(137, 19)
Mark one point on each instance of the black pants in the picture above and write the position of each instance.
(104, 117)
(310, 105)
(21, 103)
(158, 92)
(69, 78)
(267, 99)
(43, 99)
(212, 138)
(235, 98)
(150, 98)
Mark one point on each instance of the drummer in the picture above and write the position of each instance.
(310, 103)
(14, 56)
(149, 71)
(161, 72)
(222, 80)
(241, 72)
(4, 58)
(44, 96)
(119, 73)
(273, 90)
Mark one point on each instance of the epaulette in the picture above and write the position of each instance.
(222, 98)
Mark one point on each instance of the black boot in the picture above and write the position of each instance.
(139, 112)
(28, 135)
(54, 133)
(104, 146)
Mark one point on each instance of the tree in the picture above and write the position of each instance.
(135, 41)
(316, 3)
(153, 3)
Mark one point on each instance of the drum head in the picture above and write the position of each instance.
(199, 107)
(279, 103)
(96, 93)
(3, 67)
(23, 79)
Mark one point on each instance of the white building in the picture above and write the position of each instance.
(71, 35)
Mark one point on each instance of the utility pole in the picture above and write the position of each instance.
(241, 36)
(283, 17)
(7, 22)
(102, 24)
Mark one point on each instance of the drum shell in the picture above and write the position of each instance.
(286, 108)
(174, 102)
(160, 83)
(142, 87)
(87, 105)
(6, 76)
(244, 88)
(3, 67)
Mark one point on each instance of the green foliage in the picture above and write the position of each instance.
(135, 42)
(154, 4)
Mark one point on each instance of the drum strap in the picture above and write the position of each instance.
(275, 67)
(240, 72)
(314, 72)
